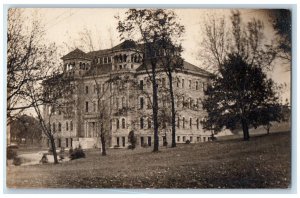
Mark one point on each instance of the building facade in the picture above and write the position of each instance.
(112, 93)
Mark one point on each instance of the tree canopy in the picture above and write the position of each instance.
(238, 95)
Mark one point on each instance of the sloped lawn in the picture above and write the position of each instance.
(263, 162)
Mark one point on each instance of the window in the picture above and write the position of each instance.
(197, 84)
(86, 89)
(123, 123)
(59, 142)
(67, 126)
(117, 103)
(182, 83)
(178, 138)
(178, 122)
(149, 140)
(109, 59)
(141, 103)
(67, 142)
(59, 127)
(183, 138)
(118, 141)
(190, 84)
(191, 139)
(142, 122)
(149, 123)
(123, 141)
(94, 106)
(191, 103)
(142, 141)
(198, 139)
(183, 122)
(197, 123)
(118, 124)
(177, 82)
(141, 85)
(71, 142)
(191, 122)
(86, 106)
(71, 125)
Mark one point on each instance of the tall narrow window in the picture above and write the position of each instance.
(149, 123)
(71, 125)
(197, 123)
(86, 89)
(123, 123)
(190, 84)
(178, 122)
(118, 124)
(67, 126)
(67, 142)
(59, 127)
(86, 106)
(142, 122)
(141, 85)
(141, 103)
(197, 84)
(183, 122)
(182, 83)
(191, 122)
(123, 102)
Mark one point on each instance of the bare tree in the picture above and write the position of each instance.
(246, 40)
(150, 27)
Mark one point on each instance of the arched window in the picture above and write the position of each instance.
(59, 127)
(183, 122)
(178, 122)
(142, 122)
(118, 124)
(123, 123)
(67, 126)
(71, 125)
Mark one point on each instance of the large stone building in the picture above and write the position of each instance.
(116, 82)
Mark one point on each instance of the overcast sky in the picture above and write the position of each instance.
(64, 25)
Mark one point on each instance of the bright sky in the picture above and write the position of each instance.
(63, 26)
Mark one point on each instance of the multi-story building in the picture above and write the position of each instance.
(112, 86)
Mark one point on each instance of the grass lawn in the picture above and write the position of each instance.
(262, 162)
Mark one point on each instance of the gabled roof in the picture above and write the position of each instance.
(78, 54)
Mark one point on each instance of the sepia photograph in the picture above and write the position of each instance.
(148, 98)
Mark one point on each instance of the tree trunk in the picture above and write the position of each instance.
(173, 109)
(53, 150)
(245, 129)
(103, 145)
(155, 110)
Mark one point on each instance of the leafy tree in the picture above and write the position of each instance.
(238, 95)
(282, 23)
(26, 127)
(155, 29)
